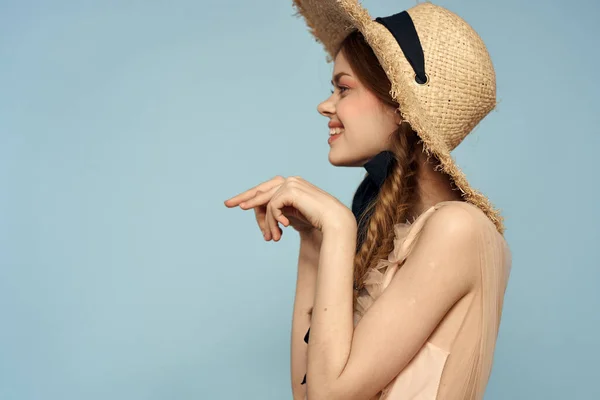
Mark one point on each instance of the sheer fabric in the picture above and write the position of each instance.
(454, 364)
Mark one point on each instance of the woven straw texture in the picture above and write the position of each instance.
(461, 86)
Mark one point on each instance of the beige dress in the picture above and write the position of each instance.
(456, 360)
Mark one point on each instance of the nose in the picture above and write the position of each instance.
(327, 107)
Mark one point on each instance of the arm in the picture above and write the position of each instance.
(347, 363)
(308, 258)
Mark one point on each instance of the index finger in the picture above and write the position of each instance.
(250, 193)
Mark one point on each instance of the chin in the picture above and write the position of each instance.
(341, 160)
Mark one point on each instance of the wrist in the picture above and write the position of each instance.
(311, 237)
(345, 225)
(310, 248)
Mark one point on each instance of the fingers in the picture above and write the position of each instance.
(275, 216)
(269, 213)
(260, 213)
(261, 219)
(272, 226)
(250, 193)
(258, 202)
(259, 199)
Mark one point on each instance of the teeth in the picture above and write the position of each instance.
(335, 131)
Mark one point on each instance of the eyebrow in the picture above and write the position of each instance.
(337, 77)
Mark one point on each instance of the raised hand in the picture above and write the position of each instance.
(291, 201)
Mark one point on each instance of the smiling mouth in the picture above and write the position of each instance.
(335, 131)
(334, 137)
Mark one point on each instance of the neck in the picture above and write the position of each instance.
(433, 187)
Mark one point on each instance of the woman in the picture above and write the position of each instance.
(403, 293)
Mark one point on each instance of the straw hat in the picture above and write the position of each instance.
(441, 73)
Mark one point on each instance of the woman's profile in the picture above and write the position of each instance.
(400, 296)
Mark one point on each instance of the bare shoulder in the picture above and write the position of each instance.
(450, 239)
(455, 220)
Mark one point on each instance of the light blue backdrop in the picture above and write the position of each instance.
(124, 125)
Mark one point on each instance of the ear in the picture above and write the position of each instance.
(397, 117)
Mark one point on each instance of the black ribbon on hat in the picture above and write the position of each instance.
(403, 29)
(401, 26)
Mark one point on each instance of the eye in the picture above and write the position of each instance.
(341, 88)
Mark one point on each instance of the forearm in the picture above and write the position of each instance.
(308, 259)
(303, 303)
(332, 325)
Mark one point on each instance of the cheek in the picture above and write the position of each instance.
(361, 113)
(367, 124)
(355, 110)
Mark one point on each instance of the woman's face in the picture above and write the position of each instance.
(366, 124)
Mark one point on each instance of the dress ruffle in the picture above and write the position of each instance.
(379, 277)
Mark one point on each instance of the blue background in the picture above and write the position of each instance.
(124, 125)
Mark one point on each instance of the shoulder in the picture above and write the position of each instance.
(453, 220)
(447, 240)
(442, 261)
